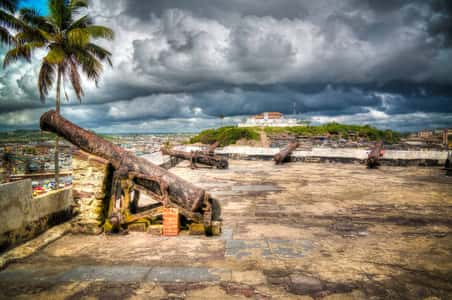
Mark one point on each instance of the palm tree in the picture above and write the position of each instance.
(67, 37)
(7, 20)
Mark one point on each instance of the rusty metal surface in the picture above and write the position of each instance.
(211, 149)
(201, 157)
(284, 154)
(131, 170)
(448, 164)
(373, 159)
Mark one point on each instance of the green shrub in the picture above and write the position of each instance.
(342, 130)
(225, 135)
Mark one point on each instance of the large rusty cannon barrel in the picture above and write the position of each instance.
(373, 159)
(180, 192)
(281, 156)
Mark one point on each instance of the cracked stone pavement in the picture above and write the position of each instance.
(295, 231)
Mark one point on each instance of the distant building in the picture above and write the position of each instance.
(274, 119)
(425, 133)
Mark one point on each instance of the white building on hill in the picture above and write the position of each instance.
(273, 119)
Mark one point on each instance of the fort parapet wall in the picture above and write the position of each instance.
(91, 176)
(23, 217)
(346, 155)
(91, 184)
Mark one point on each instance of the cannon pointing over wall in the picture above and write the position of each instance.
(448, 164)
(201, 157)
(133, 175)
(373, 159)
(285, 152)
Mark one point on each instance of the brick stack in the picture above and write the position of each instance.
(170, 221)
(89, 187)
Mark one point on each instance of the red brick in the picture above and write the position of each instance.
(170, 221)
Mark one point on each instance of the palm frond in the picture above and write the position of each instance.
(16, 53)
(60, 13)
(82, 22)
(21, 51)
(9, 5)
(30, 15)
(91, 66)
(74, 76)
(9, 20)
(96, 31)
(48, 36)
(5, 36)
(32, 18)
(46, 79)
(29, 35)
(78, 37)
(99, 52)
(55, 56)
(75, 5)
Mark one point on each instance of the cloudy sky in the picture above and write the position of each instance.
(180, 64)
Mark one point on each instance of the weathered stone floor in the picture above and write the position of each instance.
(297, 231)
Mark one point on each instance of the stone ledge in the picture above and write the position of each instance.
(30, 247)
(23, 217)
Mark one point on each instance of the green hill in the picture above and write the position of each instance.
(231, 134)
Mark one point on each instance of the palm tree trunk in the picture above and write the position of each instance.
(57, 139)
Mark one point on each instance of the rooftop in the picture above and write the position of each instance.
(312, 229)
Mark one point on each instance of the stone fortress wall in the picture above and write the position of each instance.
(323, 154)
(23, 217)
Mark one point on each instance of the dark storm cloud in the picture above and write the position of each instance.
(219, 9)
(441, 21)
(188, 62)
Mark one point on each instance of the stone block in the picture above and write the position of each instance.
(304, 285)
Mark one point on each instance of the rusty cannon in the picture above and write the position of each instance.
(211, 149)
(133, 175)
(373, 158)
(285, 152)
(448, 164)
(198, 157)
